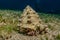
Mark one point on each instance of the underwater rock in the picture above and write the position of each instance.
(30, 22)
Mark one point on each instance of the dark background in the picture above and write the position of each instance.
(51, 6)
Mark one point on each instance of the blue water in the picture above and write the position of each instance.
(38, 5)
